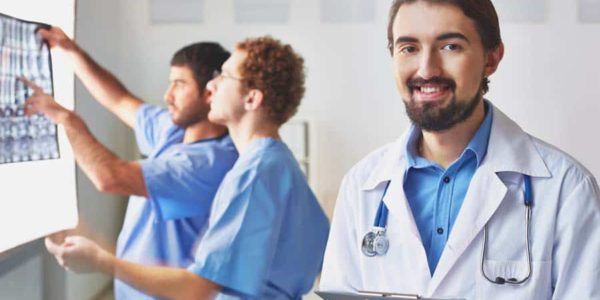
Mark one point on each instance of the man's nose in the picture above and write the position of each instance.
(430, 66)
(168, 96)
(211, 85)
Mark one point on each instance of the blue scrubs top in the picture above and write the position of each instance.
(267, 232)
(182, 180)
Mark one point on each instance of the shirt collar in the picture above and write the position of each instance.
(509, 149)
(479, 142)
(477, 145)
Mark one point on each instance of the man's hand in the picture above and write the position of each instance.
(41, 102)
(78, 254)
(57, 38)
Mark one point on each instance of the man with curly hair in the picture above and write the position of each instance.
(267, 233)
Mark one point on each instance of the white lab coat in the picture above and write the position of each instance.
(565, 227)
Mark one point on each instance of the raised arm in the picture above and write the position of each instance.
(107, 172)
(103, 85)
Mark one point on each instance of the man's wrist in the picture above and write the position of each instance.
(66, 118)
(74, 51)
(106, 263)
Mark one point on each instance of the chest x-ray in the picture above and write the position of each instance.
(23, 54)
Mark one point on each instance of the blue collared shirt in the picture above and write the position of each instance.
(435, 194)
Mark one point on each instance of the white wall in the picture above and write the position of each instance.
(546, 81)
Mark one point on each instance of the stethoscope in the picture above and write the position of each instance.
(376, 243)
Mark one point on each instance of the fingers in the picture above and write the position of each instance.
(30, 106)
(50, 33)
(44, 33)
(57, 245)
(56, 37)
(53, 247)
(36, 89)
(72, 240)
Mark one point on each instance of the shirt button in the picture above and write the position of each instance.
(446, 179)
(440, 230)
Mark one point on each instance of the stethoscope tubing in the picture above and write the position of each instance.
(512, 281)
(381, 223)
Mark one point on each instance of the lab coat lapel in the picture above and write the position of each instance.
(392, 168)
(395, 200)
(510, 149)
(483, 198)
(405, 228)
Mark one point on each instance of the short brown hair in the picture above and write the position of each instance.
(482, 12)
(203, 59)
(277, 71)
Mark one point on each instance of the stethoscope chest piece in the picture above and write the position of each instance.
(375, 242)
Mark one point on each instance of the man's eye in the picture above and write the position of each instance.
(451, 47)
(408, 49)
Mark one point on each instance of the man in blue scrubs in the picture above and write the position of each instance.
(171, 191)
(267, 233)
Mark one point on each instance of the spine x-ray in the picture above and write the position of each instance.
(24, 54)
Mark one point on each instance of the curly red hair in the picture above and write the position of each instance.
(277, 71)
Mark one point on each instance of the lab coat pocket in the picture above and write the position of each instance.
(537, 287)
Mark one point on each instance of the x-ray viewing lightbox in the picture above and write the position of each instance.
(37, 185)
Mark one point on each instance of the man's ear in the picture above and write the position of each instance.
(493, 58)
(206, 95)
(254, 100)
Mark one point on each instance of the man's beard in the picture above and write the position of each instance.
(434, 117)
(188, 118)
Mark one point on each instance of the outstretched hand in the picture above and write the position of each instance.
(77, 254)
(41, 102)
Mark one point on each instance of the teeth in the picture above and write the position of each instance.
(430, 90)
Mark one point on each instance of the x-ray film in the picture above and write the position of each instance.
(24, 54)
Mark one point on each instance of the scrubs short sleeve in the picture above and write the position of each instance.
(243, 230)
(151, 124)
(182, 184)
